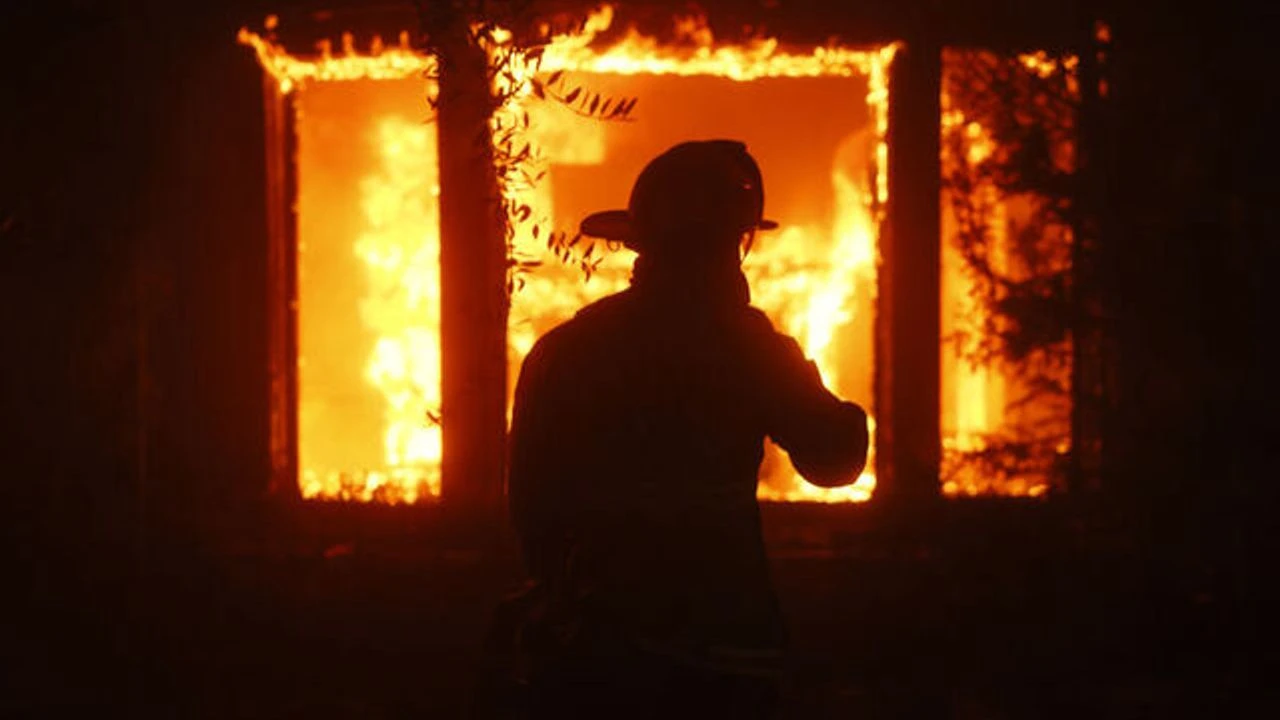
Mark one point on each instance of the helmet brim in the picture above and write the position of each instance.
(608, 225)
(618, 225)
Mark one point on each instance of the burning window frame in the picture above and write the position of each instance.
(909, 442)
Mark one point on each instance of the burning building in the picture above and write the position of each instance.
(401, 307)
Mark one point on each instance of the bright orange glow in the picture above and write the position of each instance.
(382, 446)
(400, 251)
(380, 63)
(368, 294)
(1102, 32)
(815, 278)
(981, 402)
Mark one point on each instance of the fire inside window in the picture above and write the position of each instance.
(368, 241)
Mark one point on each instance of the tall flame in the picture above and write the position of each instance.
(979, 400)
(811, 280)
(806, 280)
(401, 252)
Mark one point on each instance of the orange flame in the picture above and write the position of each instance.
(807, 281)
(381, 63)
(399, 251)
(976, 398)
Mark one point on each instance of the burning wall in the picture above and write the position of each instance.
(368, 235)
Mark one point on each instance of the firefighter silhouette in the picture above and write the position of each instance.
(636, 441)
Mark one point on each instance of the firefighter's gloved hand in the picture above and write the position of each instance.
(827, 438)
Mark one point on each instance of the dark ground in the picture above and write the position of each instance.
(1000, 612)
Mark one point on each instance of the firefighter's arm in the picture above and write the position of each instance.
(826, 438)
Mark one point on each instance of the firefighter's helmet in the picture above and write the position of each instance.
(697, 187)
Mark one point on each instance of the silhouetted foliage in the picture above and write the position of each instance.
(1009, 180)
(514, 38)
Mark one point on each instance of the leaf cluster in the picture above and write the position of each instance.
(580, 100)
(514, 76)
(1020, 268)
